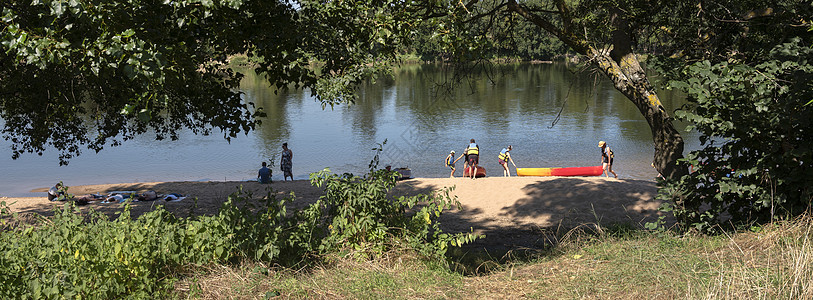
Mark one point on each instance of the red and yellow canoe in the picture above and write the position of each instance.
(481, 172)
(573, 171)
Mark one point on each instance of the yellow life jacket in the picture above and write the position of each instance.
(503, 156)
(473, 149)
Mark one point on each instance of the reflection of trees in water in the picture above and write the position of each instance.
(522, 97)
(275, 128)
(368, 109)
(512, 104)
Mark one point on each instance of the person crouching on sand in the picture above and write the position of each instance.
(450, 162)
(264, 175)
(504, 158)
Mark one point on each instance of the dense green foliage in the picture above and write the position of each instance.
(526, 42)
(364, 218)
(509, 37)
(90, 256)
(748, 89)
(79, 73)
(97, 73)
(71, 255)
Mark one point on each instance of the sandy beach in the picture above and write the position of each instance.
(511, 212)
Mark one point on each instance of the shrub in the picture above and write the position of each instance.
(90, 256)
(75, 255)
(755, 122)
(359, 215)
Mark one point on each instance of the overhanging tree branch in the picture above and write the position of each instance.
(488, 13)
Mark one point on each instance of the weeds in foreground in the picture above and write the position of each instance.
(617, 262)
(90, 256)
(774, 262)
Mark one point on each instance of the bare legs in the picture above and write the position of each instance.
(608, 168)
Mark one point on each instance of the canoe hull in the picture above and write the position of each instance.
(481, 172)
(574, 171)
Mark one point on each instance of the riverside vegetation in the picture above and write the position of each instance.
(373, 247)
(613, 262)
(356, 241)
(76, 255)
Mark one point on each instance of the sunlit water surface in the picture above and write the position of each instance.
(421, 121)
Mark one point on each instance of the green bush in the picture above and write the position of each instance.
(755, 120)
(360, 216)
(75, 255)
(90, 256)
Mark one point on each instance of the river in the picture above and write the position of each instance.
(421, 119)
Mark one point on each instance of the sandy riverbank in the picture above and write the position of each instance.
(510, 211)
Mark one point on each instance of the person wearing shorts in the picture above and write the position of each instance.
(450, 161)
(504, 158)
(473, 152)
(606, 159)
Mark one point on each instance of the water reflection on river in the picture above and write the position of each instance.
(421, 121)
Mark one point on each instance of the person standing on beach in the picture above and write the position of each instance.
(473, 152)
(606, 159)
(264, 175)
(504, 158)
(450, 162)
(286, 163)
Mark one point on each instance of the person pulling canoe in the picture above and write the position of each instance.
(606, 159)
(504, 158)
(450, 161)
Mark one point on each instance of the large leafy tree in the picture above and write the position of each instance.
(605, 32)
(89, 73)
(747, 67)
(509, 37)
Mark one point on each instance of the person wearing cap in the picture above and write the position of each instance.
(606, 159)
(504, 158)
(450, 161)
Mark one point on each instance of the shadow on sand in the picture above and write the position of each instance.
(548, 209)
(534, 218)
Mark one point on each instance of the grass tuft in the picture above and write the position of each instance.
(612, 262)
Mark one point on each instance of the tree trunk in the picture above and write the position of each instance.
(621, 66)
(628, 77)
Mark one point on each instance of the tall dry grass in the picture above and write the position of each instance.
(591, 261)
(774, 263)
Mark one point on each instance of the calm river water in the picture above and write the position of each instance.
(420, 119)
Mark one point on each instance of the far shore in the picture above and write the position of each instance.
(510, 211)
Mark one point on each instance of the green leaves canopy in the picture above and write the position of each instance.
(95, 73)
(748, 83)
